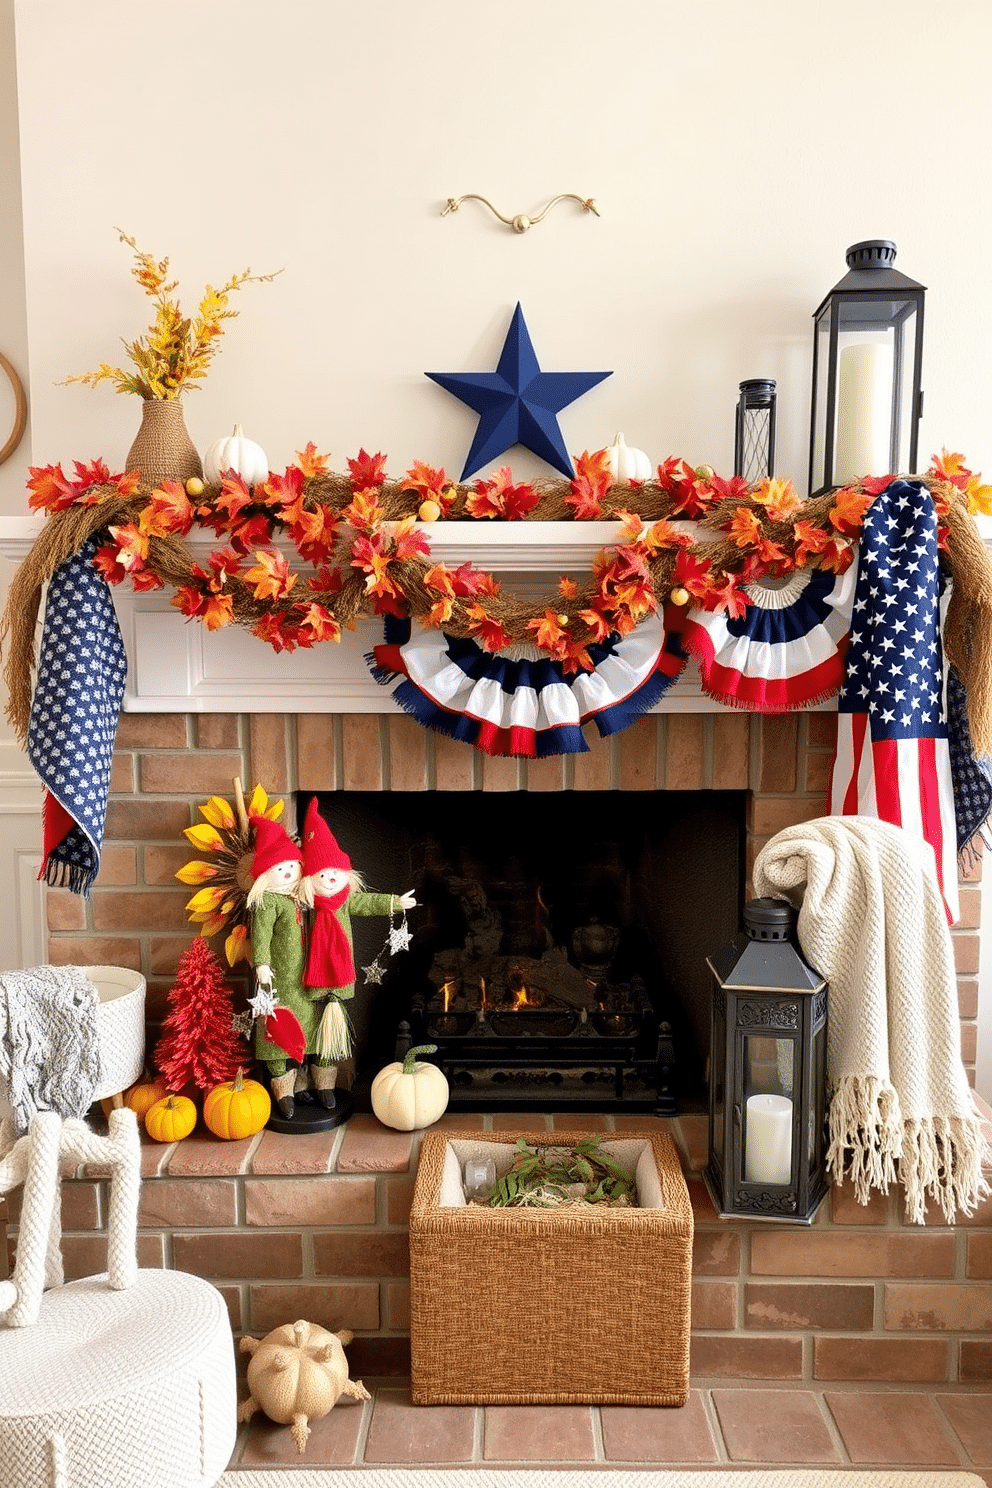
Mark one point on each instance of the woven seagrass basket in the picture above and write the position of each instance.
(533, 1306)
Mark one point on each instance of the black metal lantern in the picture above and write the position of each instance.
(754, 430)
(768, 1059)
(867, 365)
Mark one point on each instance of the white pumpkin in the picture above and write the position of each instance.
(627, 463)
(235, 452)
(409, 1095)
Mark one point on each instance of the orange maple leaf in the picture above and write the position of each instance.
(364, 512)
(590, 484)
(271, 575)
(428, 482)
(319, 624)
(812, 539)
(218, 611)
(567, 588)
(848, 510)
(548, 632)
(598, 626)
(950, 466)
(502, 497)
(837, 555)
(778, 497)
(310, 462)
(168, 511)
(439, 614)
(50, 489)
(744, 527)
(280, 490)
(409, 540)
(440, 579)
(727, 598)
(664, 535)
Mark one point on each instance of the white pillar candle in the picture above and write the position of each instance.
(768, 1139)
(864, 411)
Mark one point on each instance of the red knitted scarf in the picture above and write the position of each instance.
(330, 962)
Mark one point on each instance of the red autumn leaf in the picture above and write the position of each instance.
(368, 554)
(268, 628)
(145, 578)
(271, 575)
(234, 494)
(318, 624)
(874, 485)
(281, 490)
(189, 600)
(838, 555)
(326, 581)
(773, 556)
(409, 540)
(168, 511)
(313, 531)
(310, 462)
(848, 510)
(93, 474)
(575, 656)
(727, 598)
(691, 573)
(812, 539)
(950, 466)
(490, 632)
(106, 560)
(590, 484)
(734, 489)
(252, 533)
(502, 497)
(367, 471)
(598, 625)
(224, 562)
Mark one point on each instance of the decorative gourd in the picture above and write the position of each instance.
(627, 463)
(170, 1119)
(235, 452)
(409, 1095)
(296, 1374)
(237, 1108)
(137, 1098)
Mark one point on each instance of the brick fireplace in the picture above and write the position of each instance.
(317, 1226)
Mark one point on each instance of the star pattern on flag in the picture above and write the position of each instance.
(82, 667)
(895, 663)
(518, 403)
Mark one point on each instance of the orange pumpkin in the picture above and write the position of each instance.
(170, 1119)
(138, 1097)
(237, 1108)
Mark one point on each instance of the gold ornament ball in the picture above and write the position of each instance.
(194, 486)
(679, 596)
(429, 511)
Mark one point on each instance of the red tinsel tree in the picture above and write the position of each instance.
(199, 1045)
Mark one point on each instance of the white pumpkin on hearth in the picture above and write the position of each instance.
(411, 1093)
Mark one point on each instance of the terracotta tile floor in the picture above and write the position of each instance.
(721, 1425)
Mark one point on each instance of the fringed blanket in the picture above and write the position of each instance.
(872, 922)
(49, 1044)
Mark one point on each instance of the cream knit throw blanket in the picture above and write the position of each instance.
(872, 923)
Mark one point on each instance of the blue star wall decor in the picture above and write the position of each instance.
(518, 403)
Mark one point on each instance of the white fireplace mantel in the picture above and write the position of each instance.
(178, 666)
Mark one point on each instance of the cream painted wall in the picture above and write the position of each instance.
(735, 153)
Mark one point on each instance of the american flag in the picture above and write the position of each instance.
(892, 759)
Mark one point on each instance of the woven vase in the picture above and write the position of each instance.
(162, 449)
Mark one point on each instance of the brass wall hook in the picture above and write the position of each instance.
(521, 222)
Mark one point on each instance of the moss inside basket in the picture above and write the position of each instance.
(556, 1177)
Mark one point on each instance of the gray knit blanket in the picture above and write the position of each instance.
(49, 1049)
(872, 922)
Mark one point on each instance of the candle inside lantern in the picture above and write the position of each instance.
(864, 411)
(768, 1139)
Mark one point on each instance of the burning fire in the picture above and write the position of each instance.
(483, 999)
(520, 993)
(446, 994)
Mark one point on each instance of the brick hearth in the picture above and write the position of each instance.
(316, 1226)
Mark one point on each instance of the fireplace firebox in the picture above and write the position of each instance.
(558, 951)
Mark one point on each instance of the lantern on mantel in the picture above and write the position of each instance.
(768, 1057)
(867, 366)
(754, 430)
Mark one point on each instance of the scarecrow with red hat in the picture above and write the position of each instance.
(277, 945)
(335, 892)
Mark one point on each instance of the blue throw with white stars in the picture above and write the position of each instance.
(82, 667)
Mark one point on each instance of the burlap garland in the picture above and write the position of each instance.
(968, 628)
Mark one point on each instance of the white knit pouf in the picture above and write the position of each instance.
(119, 1389)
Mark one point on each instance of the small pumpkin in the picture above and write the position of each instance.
(408, 1095)
(627, 463)
(138, 1097)
(296, 1375)
(237, 1108)
(235, 452)
(170, 1119)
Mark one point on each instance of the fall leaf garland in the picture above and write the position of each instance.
(364, 552)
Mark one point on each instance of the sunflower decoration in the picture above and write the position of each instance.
(221, 904)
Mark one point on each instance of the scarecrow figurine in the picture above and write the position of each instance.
(277, 947)
(335, 892)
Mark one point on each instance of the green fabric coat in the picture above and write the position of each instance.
(278, 940)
